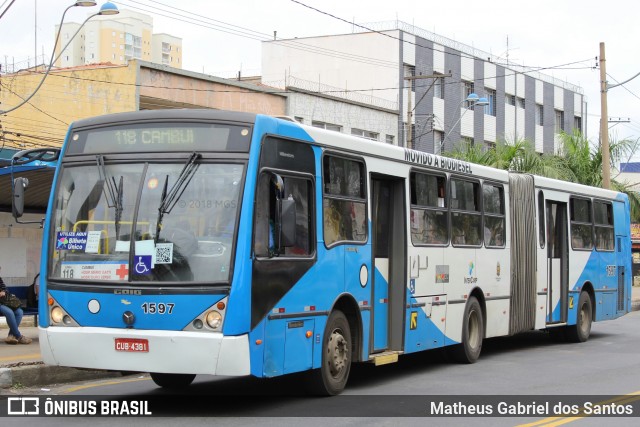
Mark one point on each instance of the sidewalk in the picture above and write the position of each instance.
(22, 365)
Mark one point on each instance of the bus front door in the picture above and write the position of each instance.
(389, 253)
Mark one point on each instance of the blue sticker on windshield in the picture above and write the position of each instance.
(142, 264)
(71, 240)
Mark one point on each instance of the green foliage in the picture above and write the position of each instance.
(576, 161)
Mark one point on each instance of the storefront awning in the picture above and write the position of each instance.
(40, 178)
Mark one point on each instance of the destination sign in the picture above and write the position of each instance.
(155, 136)
(159, 137)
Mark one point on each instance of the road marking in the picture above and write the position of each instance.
(35, 356)
(560, 420)
(104, 383)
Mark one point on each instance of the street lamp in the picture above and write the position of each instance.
(107, 8)
(473, 99)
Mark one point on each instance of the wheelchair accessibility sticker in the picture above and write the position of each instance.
(143, 264)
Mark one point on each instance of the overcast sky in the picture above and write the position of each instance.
(544, 33)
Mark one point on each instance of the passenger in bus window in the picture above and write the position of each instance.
(332, 222)
(576, 241)
(458, 237)
(604, 238)
(433, 227)
(438, 228)
(493, 232)
(264, 244)
(458, 229)
(441, 193)
(271, 223)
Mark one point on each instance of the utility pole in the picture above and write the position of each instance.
(35, 42)
(409, 113)
(409, 143)
(604, 120)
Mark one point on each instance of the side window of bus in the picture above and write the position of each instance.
(603, 218)
(581, 224)
(266, 221)
(466, 216)
(344, 202)
(301, 190)
(429, 216)
(493, 203)
(541, 222)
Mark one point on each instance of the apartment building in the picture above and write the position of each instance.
(446, 92)
(117, 39)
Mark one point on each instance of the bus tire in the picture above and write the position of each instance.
(172, 380)
(331, 378)
(468, 351)
(582, 329)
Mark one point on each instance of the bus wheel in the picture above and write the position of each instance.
(332, 376)
(581, 330)
(172, 380)
(472, 334)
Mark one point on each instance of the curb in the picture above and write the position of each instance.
(43, 375)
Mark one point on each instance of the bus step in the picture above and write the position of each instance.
(384, 358)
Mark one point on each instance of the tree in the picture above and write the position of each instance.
(580, 158)
(585, 162)
(517, 156)
(577, 160)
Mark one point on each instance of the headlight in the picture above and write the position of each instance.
(56, 314)
(214, 319)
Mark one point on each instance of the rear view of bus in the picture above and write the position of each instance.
(139, 246)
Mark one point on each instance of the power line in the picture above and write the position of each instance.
(623, 86)
(260, 36)
(278, 91)
(24, 130)
(29, 102)
(255, 35)
(296, 44)
(8, 7)
(11, 120)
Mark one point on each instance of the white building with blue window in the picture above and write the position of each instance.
(447, 91)
(629, 174)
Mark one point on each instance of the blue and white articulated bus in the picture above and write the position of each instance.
(186, 242)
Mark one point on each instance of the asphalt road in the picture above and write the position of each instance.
(528, 367)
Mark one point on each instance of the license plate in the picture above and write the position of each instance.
(132, 344)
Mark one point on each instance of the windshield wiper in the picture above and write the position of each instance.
(170, 197)
(113, 193)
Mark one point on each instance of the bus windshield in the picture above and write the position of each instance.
(165, 222)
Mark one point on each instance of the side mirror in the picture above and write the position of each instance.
(19, 186)
(287, 222)
(35, 154)
(35, 157)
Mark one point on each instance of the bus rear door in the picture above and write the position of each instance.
(557, 261)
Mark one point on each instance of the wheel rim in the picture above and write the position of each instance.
(474, 329)
(585, 318)
(337, 353)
